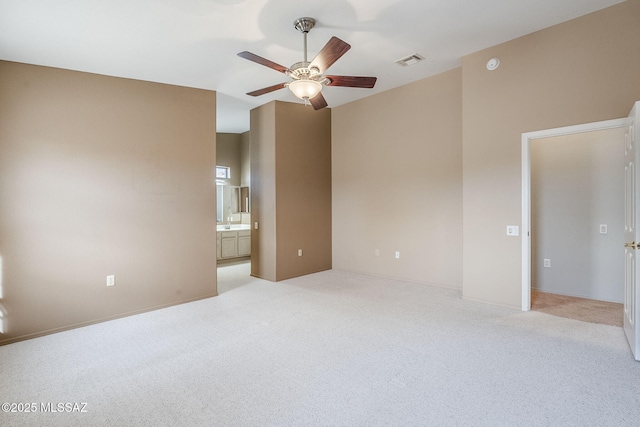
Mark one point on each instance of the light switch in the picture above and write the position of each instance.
(603, 228)
(513, 230)
(255, 225)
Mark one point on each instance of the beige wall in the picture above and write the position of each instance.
(101, 176)
(397, 182)
(290, 190)
(228, 149)
(245, 159)
(303, 189)
(580, 71)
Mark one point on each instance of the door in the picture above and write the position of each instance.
(632, 235)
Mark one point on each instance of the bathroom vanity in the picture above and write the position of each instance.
(233, 242)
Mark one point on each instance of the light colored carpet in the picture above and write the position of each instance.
(331, 348)
(586, 310)
(233, 274)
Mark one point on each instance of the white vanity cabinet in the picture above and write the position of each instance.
(229, 244)
(233, 244)
(244, 243)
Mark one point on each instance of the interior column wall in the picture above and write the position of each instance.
(263, 191)
(290, 190)
(303, 189)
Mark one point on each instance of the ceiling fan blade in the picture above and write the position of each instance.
(262, 61)
(318, 102)
(329, 54)
(352, 81)
(267, 89)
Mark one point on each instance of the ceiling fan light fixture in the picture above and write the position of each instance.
(305, 89)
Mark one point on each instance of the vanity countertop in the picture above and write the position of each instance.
(234, 227)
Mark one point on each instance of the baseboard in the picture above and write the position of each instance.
(497, 304)
(101, 320)
(401, 279)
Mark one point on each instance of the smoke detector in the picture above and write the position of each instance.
(492, 64)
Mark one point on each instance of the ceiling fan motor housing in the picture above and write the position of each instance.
(302, 71)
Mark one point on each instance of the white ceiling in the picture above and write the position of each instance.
(194, 42)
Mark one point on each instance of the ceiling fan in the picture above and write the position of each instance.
(307, 78)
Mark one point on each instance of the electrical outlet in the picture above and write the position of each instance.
(255, 225)
(111, 280)
(299, 252)
(397, 254)
(547, 263)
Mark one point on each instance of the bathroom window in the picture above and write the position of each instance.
(223, 172)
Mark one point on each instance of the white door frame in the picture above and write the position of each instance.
(527, 138)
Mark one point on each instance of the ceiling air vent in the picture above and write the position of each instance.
(410, 60)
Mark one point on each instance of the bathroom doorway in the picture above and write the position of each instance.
(233, 210)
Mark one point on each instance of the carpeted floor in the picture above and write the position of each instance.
(331, 348)
(586, 310)
(234, 273)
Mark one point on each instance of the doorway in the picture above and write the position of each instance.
(233, 210)
(527, 140)
(233, 274)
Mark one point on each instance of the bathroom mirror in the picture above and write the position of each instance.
(240, 199)
(233, 200)
(219, 202)
(243, 197)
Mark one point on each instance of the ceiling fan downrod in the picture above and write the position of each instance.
(304, 25)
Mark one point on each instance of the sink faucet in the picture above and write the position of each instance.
(228, 226)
